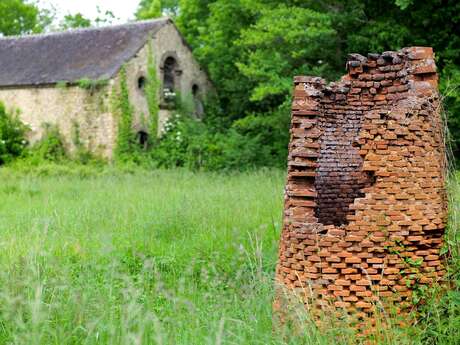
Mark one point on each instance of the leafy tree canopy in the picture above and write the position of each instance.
(72, 21)
(18, 17)
(156, 8)
(253, 48)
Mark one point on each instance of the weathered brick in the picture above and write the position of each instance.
(363, 305)
(353, 260)
(342, 282)
(357, 288)
(364, 182)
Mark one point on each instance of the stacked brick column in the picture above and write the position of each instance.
(365, 204)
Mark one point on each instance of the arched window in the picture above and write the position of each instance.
(199, 108)
(141, 83)
(195, 90)
(169, 80)
(143, 139)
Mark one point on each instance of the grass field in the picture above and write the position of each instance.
(163, 257)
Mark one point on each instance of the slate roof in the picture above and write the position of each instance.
(96, 53)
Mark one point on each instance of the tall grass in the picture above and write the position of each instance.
(163, 257)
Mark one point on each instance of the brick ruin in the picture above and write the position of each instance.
(365, 202)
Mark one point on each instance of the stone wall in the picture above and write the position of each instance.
(166, 42)
(92, 110)
(365, 202)
(67, 107)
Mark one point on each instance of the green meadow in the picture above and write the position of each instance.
(106, 256)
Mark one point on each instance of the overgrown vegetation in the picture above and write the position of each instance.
(12, 136)
(82, 154)
(51, 146)
(16, 151)
(252, 50)
(125, 136)
(90, 84)
(203, 145)
(159, 257)
(151, 92)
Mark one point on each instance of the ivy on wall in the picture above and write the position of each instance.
(126, 145)
(151, 90)
(125, 138)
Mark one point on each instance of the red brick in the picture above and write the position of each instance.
(357, 288)
(353, 260)
(379, 180)
(364, 305)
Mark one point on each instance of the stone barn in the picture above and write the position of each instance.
(365, 202)
(73, 79)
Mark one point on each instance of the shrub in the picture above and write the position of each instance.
(268, 135)
(171, 149)
(12, 136)
(197, 145)
(50, 148)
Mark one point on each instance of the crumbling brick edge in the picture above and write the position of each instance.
(365, 201)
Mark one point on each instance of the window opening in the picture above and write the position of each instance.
(169, 82)
(143, 139)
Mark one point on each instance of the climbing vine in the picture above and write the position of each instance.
(151, 90)
(125, 138)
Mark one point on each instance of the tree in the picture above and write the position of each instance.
(18, 17)
(218, 26)
(12, 135)
(75, 21)
(149, 9)
(286, 41)
(252, 49)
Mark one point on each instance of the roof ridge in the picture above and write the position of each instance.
(92, 53)
(81, 30)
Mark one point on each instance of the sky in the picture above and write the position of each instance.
(122, 9)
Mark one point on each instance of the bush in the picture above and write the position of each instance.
(50, 148)
(254, 141)
(268, 135)
(12, 136)
(215, 143)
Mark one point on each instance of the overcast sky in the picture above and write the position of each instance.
(123, 9)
